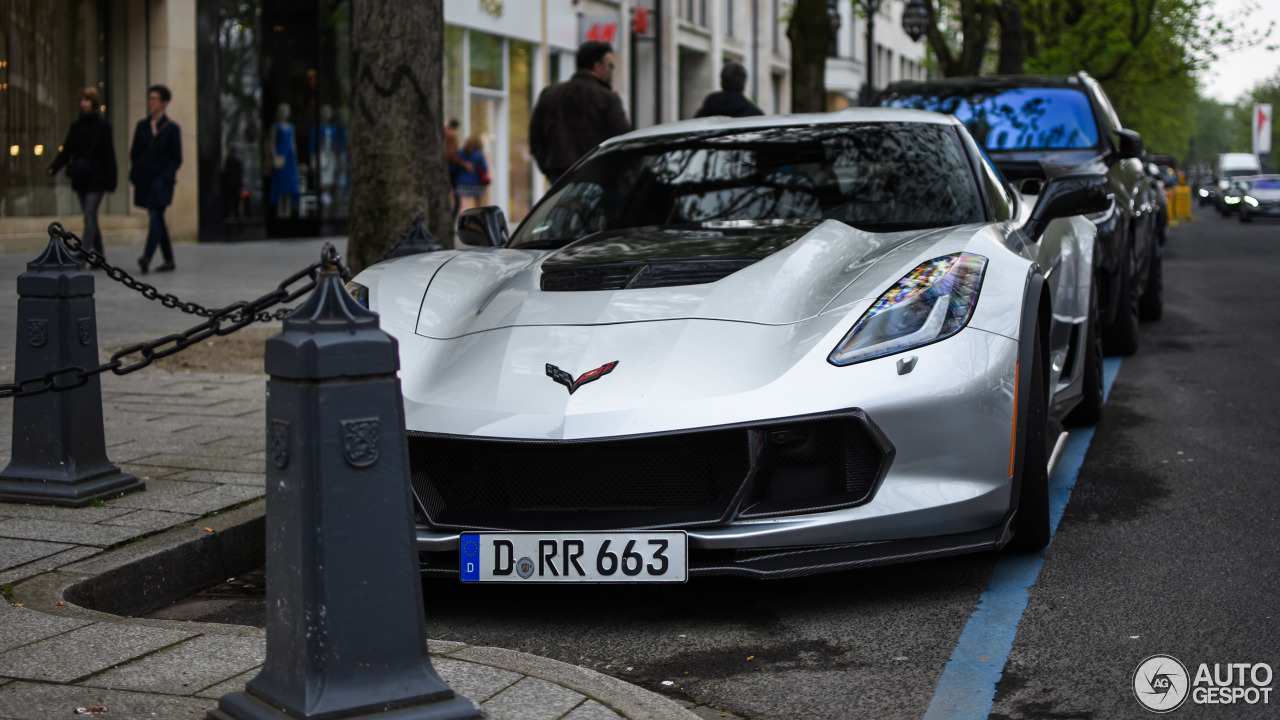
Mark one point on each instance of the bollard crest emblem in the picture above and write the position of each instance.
(84, 328)
(278, 439)
(360, 441)
(37, 332)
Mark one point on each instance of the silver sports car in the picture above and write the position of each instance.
(761, 347)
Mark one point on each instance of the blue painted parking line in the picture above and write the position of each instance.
(967, 688)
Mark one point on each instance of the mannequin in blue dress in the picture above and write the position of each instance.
(284, 163)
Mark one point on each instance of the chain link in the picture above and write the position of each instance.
(237, 315)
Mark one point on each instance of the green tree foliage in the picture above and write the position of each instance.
(1144, 52)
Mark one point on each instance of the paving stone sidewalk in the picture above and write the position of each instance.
(197, 441)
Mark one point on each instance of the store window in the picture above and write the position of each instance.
(520, 106)
(48, 52)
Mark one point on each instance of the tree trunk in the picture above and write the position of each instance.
(810, 33)
(976, 17)
(1013, 38)
(397, 125)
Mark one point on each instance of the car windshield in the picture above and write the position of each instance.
(879, 177)
(1012, 119)
(1265, 184)
(1238, 172)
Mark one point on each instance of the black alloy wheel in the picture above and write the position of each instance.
(1031, 523)
(1089, 411)
(1151, 306)
(1121, 338)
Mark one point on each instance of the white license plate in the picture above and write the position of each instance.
(585, 557)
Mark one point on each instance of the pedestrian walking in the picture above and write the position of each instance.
(573, 117)
(89, 155)
(155, 156)
(473, 182)
(729, 100)
(456, 164)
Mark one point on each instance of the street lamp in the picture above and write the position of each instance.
(915, 20)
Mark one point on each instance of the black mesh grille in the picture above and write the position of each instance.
(817, 466)
(648, 482)
(679, 480)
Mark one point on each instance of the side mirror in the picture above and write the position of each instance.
(1067, 195)
(1130, 144)
(483, 226)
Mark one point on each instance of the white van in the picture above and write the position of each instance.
(1232, 165)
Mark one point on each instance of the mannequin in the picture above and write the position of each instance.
(324, 145)
(284, 163)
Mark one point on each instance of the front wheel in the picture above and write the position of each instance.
(1089, 411)
(1245, 216)
(1151, 307)
(1121, 338)
(1031, 523)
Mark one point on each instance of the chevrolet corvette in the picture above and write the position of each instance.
(761, 347)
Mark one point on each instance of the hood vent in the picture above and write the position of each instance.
(639, 274)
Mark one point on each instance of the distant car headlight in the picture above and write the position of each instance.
(932, 302)
(1252, 202)
(1204, 193)
(1099, 218)
(360, 293)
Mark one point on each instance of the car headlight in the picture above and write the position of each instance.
(360, 293)
(930, 303)
(1231, 199)
(1204, 193)
(1252, 202)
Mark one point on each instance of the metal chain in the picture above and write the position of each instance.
(237, 315)
(150, 292)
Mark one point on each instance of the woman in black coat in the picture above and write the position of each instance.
(90, 159)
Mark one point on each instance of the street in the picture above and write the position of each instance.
(1167, 546)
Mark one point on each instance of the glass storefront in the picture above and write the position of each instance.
(284, 87)
(489, 89)
(49, 51)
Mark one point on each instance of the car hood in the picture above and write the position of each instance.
(755, 272)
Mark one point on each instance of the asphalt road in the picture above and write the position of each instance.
(1167, 546)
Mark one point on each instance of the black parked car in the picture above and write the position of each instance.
(1036, 127)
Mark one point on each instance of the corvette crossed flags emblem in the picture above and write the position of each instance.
(567, 380)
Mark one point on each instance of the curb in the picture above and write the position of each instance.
(173, 564)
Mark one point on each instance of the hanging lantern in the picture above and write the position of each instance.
(915, 19)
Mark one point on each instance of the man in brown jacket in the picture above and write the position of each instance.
(573, 117)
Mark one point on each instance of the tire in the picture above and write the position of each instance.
(1089, 411)
(1151, 306)
(1031, 523)
(1244, 216)
(1121, 337)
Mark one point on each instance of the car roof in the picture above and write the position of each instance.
(848, 115)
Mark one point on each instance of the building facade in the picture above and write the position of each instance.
(261, 89)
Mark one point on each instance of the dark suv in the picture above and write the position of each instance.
(1034, 127)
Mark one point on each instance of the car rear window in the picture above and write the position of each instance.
(880, 177)
(1012, 119)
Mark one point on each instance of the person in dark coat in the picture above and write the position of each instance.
(730, 100)
(156, 155)
(89, 156)
(573, 117)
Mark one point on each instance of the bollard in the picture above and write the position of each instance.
(59, 454)
(346, 633)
